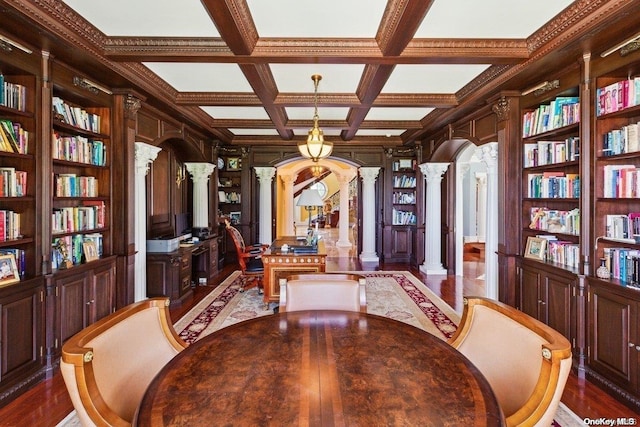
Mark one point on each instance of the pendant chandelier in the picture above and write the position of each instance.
(315, 148)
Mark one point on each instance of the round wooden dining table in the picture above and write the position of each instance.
(319, 368)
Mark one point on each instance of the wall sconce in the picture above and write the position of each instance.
(626, 47)
(90, 86)
(7, 45)
(541, 88)
(180, 175)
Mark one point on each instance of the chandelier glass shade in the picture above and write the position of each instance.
(315, 147)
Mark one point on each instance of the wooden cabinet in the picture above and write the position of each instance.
(81, 296)
(169, 275)
(401, 214)
(550, 295)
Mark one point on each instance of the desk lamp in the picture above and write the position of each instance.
(310, 199)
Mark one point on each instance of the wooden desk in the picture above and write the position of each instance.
(320, 368)
(278, 264)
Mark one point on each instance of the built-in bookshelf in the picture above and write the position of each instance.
(551, 179)
(80, 144)
(230, 188)
(617, 176)
(404, 192)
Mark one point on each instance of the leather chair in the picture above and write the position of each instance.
(248, 259)
(525, 361)
(108, 366)
(323, 291)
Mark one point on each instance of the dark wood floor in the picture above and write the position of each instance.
(48, 403)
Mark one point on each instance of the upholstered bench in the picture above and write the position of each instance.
(323, 291)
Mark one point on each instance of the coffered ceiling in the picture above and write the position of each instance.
(391, 70)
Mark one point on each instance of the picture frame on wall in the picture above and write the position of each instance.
(233, 163)
(535, 248)
(8, 270)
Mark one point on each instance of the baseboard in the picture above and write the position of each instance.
(16, 389)
(615, 390)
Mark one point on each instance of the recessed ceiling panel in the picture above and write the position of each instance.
(254, 113)
(325, 113)
(380, 132)
(299, 132)
(431, 78)
(201, 77)
(167, 18)
(397, 113)
(249, 132)
(488, 18)
(306, 18)
(296, 78)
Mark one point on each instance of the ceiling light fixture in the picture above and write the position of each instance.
(633, 41)
(315, 148)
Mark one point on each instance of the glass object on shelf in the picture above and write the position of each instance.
(603, 272)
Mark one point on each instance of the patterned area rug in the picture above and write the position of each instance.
(395, 294)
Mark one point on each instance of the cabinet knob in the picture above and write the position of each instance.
(638, 348)
(631, 345)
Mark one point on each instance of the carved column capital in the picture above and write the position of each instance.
(265, 174)
(501, 108)
(369, 175)
(145, 154)
(199, 171)
(433, 171)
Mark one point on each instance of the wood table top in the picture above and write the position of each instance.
(320, 368)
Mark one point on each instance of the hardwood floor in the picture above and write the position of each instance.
(48, 403)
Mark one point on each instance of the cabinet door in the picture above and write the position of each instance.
(75, 301)
(558, 310)
(102, 292)
(529, 292)
(20, 332)
(613, 320)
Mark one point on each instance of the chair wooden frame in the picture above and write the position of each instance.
(325, 277)
(555, 356)
(82, 379)
(247, 257)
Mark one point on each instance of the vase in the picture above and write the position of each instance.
(603, 272)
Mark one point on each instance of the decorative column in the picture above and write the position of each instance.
(145, 155)
(488, 153)
(200, 173)
(287, 204)
(461, 171)
(433, 173)
(481, 206)
(343, 223)
(265, 177)
(368, 176)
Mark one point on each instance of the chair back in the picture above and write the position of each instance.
(323, 291)
(108, 366)
(238, 242)
(525, 361)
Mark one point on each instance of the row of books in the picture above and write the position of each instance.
(78, 218)
(623, 227)
(555, 221)
(623, 264)
(404, 181)
(78, 149)
(400, 217)
(72, 248)
(9, 225)
(562, 111)
(404, 198)
(563, 252)
(619, 141)
(549, 152)
(12, 95)
(554, 185)
(71, 185)
(76, 116)
(13, 183)
(621, 181)
(618, 96)
(13, 137)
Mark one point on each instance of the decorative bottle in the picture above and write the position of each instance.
(603, 272)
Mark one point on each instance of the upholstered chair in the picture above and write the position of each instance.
(525, 361)
(249, 259)
(323, 291)
(108, 366)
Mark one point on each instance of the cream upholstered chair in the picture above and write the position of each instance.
(323, 291)
(525, 361)
(108, 366)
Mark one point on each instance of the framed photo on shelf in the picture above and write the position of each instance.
(535, 248)
(222, 196)
(233, 163)
(405, 164)
(8, 270)
(234, 217)
(90, 251)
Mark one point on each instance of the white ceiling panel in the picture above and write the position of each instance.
(296, 78)
(397, 113)
(488, 18)
(380, 132)
(249, 132)
(303, 132)
(306, 18)
(325, 113)
(431, 78)
(201, 77)
(147, 17)
(254, 113)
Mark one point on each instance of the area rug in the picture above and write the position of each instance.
(395, 294)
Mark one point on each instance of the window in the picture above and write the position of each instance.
(320, 188)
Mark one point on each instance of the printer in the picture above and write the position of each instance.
(165, 244)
